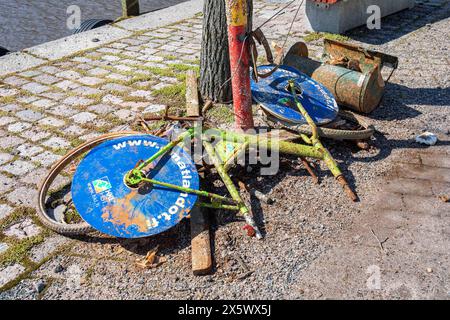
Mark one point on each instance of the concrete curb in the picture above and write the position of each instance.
(67, 46)
(53, 50)
(163, 17)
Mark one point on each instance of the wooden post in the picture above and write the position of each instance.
(192, 99)
(200, 243)
(130, 8)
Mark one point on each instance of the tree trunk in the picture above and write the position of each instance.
(215, 60)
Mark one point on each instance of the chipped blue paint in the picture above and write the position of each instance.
(274, 96)
(110, 206)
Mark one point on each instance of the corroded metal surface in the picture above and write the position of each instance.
(351, 73)
(239, 63)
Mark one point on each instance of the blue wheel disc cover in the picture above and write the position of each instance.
(274, 96)
(105, 202)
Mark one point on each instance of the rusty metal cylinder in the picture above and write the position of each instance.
(358, 91)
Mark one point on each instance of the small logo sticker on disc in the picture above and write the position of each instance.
(101, 185)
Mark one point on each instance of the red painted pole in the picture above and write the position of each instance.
(239, 63)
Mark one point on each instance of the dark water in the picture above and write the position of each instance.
(25, 23)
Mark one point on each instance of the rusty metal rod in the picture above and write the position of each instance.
(206, 107)
(343, 182)
(310, 170)
(144, 124)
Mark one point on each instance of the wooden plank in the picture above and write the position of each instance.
(200, 243)
(192, 100)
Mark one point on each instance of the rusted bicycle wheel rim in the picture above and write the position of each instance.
(62, 228)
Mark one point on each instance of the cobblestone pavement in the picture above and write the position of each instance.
(49, 109)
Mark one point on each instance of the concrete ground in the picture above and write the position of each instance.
(393, 244)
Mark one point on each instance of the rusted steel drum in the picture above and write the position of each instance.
(359, 85)
(355, 90)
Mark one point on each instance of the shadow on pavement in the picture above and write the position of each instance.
(401, 23)
(398, 101)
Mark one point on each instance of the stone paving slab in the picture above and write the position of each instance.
(9, 273)
(18, 61)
